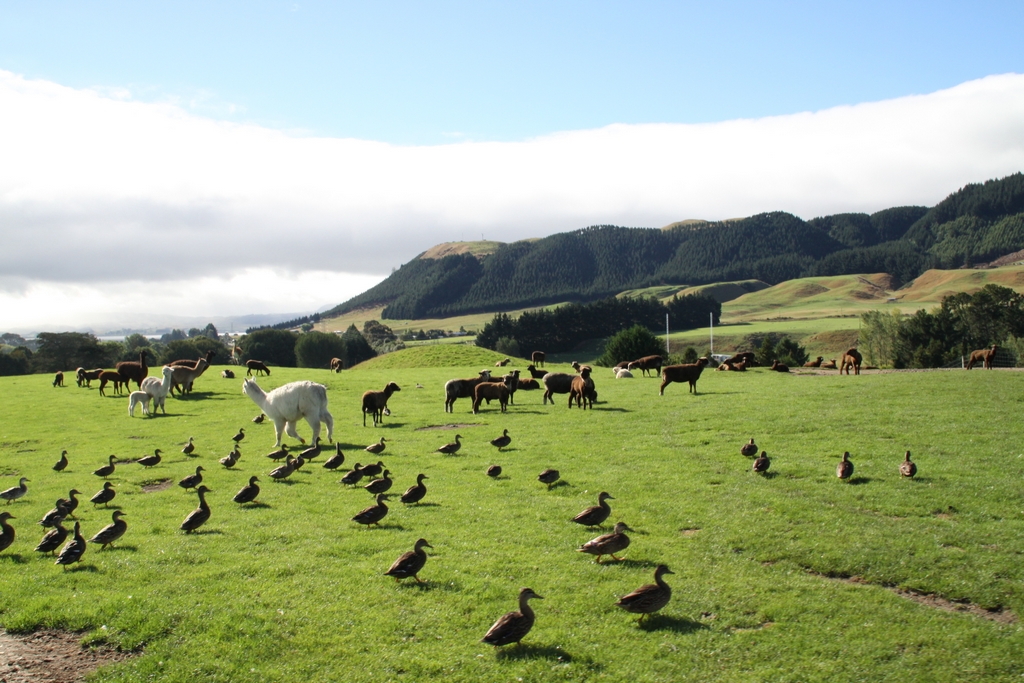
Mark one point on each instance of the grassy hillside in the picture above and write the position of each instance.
(293, 590)
(435, 356)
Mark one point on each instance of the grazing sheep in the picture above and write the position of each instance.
(535, 373)
(227, 374)
(983, 355)
(537, 357)
(462, 388)
(646, 364)
(287, 404)
(134, 371)
(113, 377)
(184, 376)
(779, 367)
(376, 402)
(528, 385)
(816, 363)
(511, 380)
(829, 365)
(556, 383)
(158, 389)
(623, 373)
(582, 389)
(489, 390)
(134, 399)
(502, 363)
(58, 379)
(851, 359)
(687, 372)
(336, 364)
(257, 365)
(83, 376)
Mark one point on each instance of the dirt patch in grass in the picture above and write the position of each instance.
(159, 485)
(461, 425)
(690, 532)
(55, 656)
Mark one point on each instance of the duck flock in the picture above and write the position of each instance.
(510, 628)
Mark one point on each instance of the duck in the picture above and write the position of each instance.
(353, 476)
(372, 470)
(231, 458)
(53, 538)
(192, 480)
(15, 492)
(311, 452)
(6, 530)
(298, 463)
(104, 495)
(749, 449)
(374, 513)
(248, 493)
(71, 502)
(844, 470)
(650, 598)
(336, 460)
(451, 448)
(259, 418)
(284, 471)
(61, 464)
(56, 515)
(151, 460)
(494, 471)
(416, 492)
(502, 441)
(189, 447)
(548, 477)
(380, 485)
(376, 448)
(237, 438)
(907, 468)
(513, 627)
(73, 550)
(608, 544)
(762, 463)
(107, 469)
(595, 514)
(410, 563)
(279, 453)
(199, 516)
(110, 533)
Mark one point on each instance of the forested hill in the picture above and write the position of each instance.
(976, 224)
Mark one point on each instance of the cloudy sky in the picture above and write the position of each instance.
(215, 159)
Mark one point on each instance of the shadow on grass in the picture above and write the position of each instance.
(253, 505)
(90, 568)
(116, 548)
(662, 622)
(424, 505)
(429, 586)
(522, 651)
(16, 558)
(387, 527)
(289, 482)
(613, 410)
(205, 532)
(633, 564)
(559, 484)
(769, 475)
(857, 481)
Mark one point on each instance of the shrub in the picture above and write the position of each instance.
(276, 347)
(316, 349)
(635, 342)
(508, 346)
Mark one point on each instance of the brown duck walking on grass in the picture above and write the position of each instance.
(15, 492)
(311, 452)
(110, 533)
(907, 468)
(248, 493)
(61, 464)
(55, 515)
(353, 476)
(514, 626)
(749, 449)
(237, 438)
(284, 471)
(107, 469)
(7, 531)
(151, 460)
(844, 470)
(451, 448)
(548, 477)
(104, 495)
(595, 514)
(373, 470)
(650, 598)
(380, 485)
(259, 418)
(415, 493)
(281, 452)
(374, 513)
(376, 448)
(71, 503)
(494, 471)
(336, 460)
(53, 538)
(192, 480)
(199, 516)
(410, 563)
(502, 441)
(230, 459)
(762, 463)
(189, 448)
(608, 544)
(74, 549)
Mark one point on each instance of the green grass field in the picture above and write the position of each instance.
(293, 590)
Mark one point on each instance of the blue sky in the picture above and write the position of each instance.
(430, 73)
(282, 157)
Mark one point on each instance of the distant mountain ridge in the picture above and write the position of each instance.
(977, 223)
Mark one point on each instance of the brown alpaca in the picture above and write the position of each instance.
(537, 358)
(851, 359)
(336, 364)
(829, 365)
(259, 366)
(983, 355)
(814, 363)
(131, 371)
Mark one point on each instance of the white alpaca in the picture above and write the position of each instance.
(285, 405)
(157, 389)
(623, 373)
(136, 398)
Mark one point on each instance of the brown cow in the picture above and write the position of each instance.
(983, 355)
(851, 359)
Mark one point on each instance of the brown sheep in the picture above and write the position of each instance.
(111, 376)
(503, 363)
(851, 359)
(537, 357)
(227, 374)
(511, 380)
(489, 390)
(535, 373)
(983, 355)
(742, 357)
(779, 367)
(336, 364)
(132, 371)
(687, 372)
(582, 389)
(376, 402)
(556, 383)
(814, 363)
(528, 385)
(462, 388)
(829, 365)
(259, 366)
(83, 376)
(58, 379)
(732, 365)
(647, 363)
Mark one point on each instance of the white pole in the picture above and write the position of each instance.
(711, 316)
(666, 335)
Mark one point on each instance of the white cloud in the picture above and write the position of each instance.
(95, 188)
